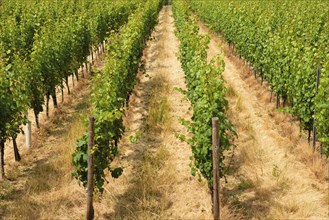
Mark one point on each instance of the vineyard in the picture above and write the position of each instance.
(154, 75)
(41, 47)
(285, 47)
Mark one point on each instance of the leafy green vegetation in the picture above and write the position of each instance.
(111, 91)
(205, 91)
(285, 41)
(41, 44)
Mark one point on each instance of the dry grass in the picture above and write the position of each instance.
(149, 196)
(147, 193)
(318, 165)
(13, 172)
(159, 108)
(49, 189)
(238, 104)
(231, 91)
(41, 185)
(155, 174)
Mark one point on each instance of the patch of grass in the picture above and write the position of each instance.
(247, 126)
(43, 176)
(245, 184)
(236, 202)
(238, 104)
(148, 195)
(231, 91)
(82, 105)
(158, 113)
(159, 107)
(13, 172)
(154, 181)
(283, 184)
(47, 191)
(160, 157)
(276, 172)
(6, 188)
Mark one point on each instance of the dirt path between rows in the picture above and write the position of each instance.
(275, 174)
(157, 182)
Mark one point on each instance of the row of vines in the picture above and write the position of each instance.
(285, 41)
(205, 91)
(42, 43)
(110, 94)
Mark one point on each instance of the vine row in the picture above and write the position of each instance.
(206, 92)
(41, 45)
(111, 91)
(285, 41)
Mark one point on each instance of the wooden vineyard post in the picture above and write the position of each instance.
(28, 134)
(92, 56)
(86, 67)
(215, 160)
(98, 50)
(82, 71)
(317, 87)
(318, 73)
(2, 161)
(90, 183)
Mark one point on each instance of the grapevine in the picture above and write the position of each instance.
(206, 92)
(41, 44)
(110, 92)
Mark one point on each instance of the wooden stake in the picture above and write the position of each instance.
(277, 101)
(2, 161)
(92, 56)
(16, 151)
(62, 90)
(90, 183)
(36, 118)
(215, 160)
(82, 71)
(318, 73)
(47, 104)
